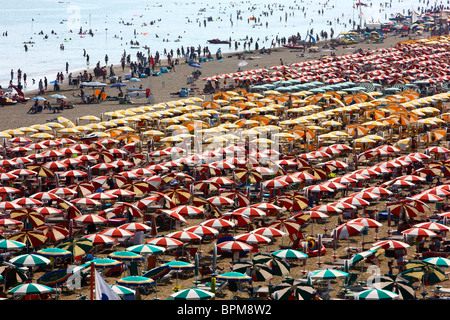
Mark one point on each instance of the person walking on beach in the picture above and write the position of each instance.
(45, 83)
(106, 59)
(41, 87)
(12, 75)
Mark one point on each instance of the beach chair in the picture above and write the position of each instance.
(349, 281)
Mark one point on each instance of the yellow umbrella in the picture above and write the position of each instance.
(172, 139)
(15, 132)
(42, 135)
(364, 140)
(41, 127)
(331, 123)
(68, 130)
(83, 129)
(90, 118)
(153, 133)
(5, 135)
(55, 125)
(96, 126)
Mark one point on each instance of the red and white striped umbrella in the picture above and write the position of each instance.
(234, 246)
(45, 211)
(367, 172)
(379, 190)
(70, 151)
(121, 192)
(343, 180)
(225, 165)
(166, 242)
(158, 167)
(187, 210)
(122, 163)
(63, 192)
(103, 166)
(266, 206)
(319, 188)
(420, 155)
(8, 205)
(304, 176)
(52, 154)
(366, 195)
(391, 245)
(8, 190)
(252, 238)
(102, 196)
(357, 176)
(135, 227)
(7, 176)
(274, 183)
(289, 179)
(269, 232)
(347, 230)
(172, 214)
(326, 209)
(130, 175)
(220, 201)
(403, 183)
(437, 192)
(334, 185)
(343, 206)
(23, 172)
(117, 233)
(249, 212)
(367, 222)
(427, 197)
(45, 196)
(221, 180)
(55, 165)
(433, 226)
(144, 172)
(86, 202)
(437, 150)
(337, 164)
(99, 239)
(411, 178)
(7, 222)
(207, 229)
(73, 173)
(184, 236)
(90, 219)
(217, 223)
(419, 232)
(25, 201)
(316, 214)
(355, 201)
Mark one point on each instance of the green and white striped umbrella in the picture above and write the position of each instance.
(146, 249)
(192, 294)
(328, 274)
(376, 294)
(360, 257)
(30, 260)
(438, 261)
(30, 288)
(395, 283)
(290, 254)
(6, 244)
(122, 291)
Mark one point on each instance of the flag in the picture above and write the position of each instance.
(102, 290)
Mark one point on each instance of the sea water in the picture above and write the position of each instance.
(51, 28)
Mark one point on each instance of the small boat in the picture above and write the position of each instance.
(218, 41)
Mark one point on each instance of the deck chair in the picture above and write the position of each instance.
(349, 281)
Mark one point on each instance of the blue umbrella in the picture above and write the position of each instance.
(118, 85)
(195, 65)
(39, 98)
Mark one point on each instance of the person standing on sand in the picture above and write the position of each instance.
(41, 87)
(45, 83)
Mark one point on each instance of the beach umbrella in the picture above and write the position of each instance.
(233, 277)
(422, 271)
(54, 252)
(433, 226)
(192, 294)
(268, 232)
(278, 266)
(165, 242)
(29, 260)
(438, 261)
(184, 236)
(252, 238)
(146, 249)
(31, 238)
(258, 271)
(419, 232)
(220, 201)
(53, 232)
(376, 294)
(293, 288)
(30, 288)
(216, 223)
(28, 216)
(135, 226)
(123, 291)
(117, 233)
(290, 254)
(99, 239)
(135, 281)
(204, 230)
(328, 274)
(179, 266)
(187, 210)
(78, 246)
(234, 246)
(6, 244)
(90, 219)
(394, 283)
(347, 230)
(125, 256)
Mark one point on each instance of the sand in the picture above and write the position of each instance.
(162, 87)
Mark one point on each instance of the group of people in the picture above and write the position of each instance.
(36, 107)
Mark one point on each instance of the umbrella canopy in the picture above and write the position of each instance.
(233, 277)
(78, 246)
(376, 294)
(395, 283)
(6, 244)
(145, 249)
(293, 288)
(192, 294)
(30, 288)
(328, 274)
(290, 254)
(135, 281)
(30, 260)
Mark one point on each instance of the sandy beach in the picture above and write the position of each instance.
(163, 89)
